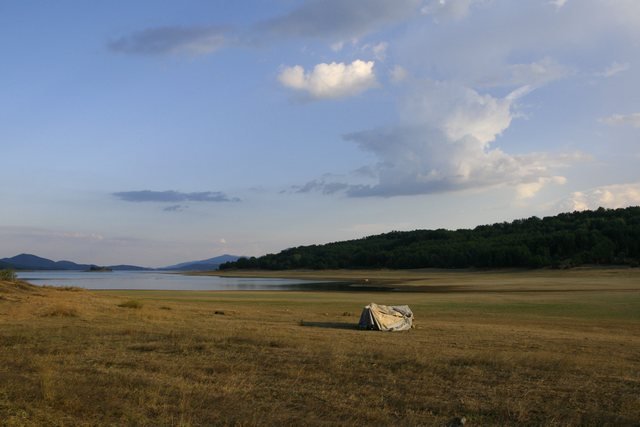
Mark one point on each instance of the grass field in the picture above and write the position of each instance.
(501, 348)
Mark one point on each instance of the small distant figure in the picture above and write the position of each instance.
(457, 422)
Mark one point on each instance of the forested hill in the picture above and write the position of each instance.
(603, 236)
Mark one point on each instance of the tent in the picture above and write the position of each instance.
(386, 317)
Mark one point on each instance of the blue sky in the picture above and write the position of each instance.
(154, 132)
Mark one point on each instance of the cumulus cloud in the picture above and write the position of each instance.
(608, 196)
(173, 196)
(459, 111)
(444, 144)
(415, 161)
(623, 120)
(527, 190)
(339, 19)
(193, 41)
(334, 80)
(423, 161)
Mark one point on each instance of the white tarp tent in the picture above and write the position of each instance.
(386, 317)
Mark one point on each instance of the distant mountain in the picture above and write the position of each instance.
(33, 262)
(202, 265)
(4, 265)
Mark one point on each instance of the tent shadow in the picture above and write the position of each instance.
(331, 325)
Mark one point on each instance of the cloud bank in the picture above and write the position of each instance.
(607, 196)
(446, 134)
(174, 197)
(334, 80)
(192, 41)
(442, 144)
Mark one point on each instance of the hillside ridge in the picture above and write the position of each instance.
(602, 237)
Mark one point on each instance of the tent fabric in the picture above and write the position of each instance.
(386, 317)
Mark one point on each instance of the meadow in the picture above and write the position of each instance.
(540, 347)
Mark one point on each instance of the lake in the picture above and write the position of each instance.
(153, 280)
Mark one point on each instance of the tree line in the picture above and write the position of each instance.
(602, 236)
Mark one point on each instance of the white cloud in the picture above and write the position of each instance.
(446, 136)
(528, 190)
(443, 144)
(608, 196)
(623, 120)
(422, 160)
(334, 80)
(459, 111)
(613, 69)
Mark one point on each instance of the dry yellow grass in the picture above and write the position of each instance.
(541, 348)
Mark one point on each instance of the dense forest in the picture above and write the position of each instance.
(603, 236)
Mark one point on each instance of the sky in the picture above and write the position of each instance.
(155, 132)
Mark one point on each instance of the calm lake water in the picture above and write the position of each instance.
(152, 280)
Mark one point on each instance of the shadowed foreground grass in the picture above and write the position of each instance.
(559, 357)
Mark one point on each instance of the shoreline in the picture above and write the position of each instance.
(429, 281)
(438, 280)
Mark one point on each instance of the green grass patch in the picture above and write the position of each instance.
(8, 275)
(131, 304)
